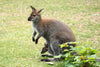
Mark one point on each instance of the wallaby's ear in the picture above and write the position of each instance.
(33, 8)
(40, 10)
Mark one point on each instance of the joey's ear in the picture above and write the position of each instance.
(40, 10)
(32, 8)
(46, 46)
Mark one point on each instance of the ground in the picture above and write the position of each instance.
(16, 46)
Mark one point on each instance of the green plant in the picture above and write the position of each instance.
(78, 56)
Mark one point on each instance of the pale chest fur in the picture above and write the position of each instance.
(34, 27)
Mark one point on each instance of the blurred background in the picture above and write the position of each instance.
(16, 46)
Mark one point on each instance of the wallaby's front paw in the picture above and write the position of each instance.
(33, 39)
(36, 41)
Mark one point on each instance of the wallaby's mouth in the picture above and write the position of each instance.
(29, 19)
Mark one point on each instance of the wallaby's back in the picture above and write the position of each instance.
(57, 29)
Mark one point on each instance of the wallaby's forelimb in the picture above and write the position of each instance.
(34, 34)
(54, 45)
(37, 38)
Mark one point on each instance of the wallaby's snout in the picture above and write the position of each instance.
(29, 19)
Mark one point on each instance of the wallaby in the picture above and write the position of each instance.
(53, 31)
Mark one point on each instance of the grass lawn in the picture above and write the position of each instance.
(16, 46)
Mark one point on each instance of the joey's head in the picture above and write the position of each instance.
(35, 15)
(44, 49)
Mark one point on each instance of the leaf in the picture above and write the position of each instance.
(73, 43)
(92, 57)
(62, 46)
(66, 45)
(72, 47)
(70, 65)
(67, 55)
(77, 59)
(86, 60)
(59, 56)
(66, 58)
(81, 49)
(91, 51)
(66, 50)
(82, 57)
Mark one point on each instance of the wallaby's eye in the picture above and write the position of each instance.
(34, 15)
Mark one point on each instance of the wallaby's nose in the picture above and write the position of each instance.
(29, 19)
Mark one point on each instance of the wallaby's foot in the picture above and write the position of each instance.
(46, 55)
(45, 60)
(33, 39)
(51, 59)
(36, 41)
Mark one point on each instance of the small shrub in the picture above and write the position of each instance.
(83, 56)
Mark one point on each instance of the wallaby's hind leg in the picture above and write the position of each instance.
(55, 50)
(54, 45)
(51, 59)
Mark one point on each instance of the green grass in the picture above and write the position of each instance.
(16, 46)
